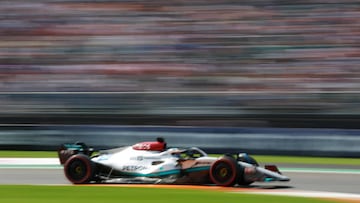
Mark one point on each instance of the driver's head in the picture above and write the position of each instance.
(161, 140)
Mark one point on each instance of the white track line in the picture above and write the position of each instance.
(29, 161)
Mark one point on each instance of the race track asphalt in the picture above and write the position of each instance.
(314, 181)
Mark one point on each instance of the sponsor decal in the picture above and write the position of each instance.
(141, 158)
(131, 168)
(137, 158)
(206, 163)
(143, 146)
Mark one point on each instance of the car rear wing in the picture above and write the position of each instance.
(67, 150)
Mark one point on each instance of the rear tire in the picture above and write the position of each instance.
(224, 171)
(79, 169)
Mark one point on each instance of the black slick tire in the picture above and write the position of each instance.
(224, 171)
(79, 169)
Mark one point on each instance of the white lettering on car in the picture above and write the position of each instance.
(144, 146)
(137, 158)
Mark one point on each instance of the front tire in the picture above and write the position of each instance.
(224, 171)
(79, 169)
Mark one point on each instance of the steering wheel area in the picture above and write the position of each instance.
(192, 153)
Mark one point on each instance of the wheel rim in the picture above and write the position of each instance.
(77, 170)
(223, 172)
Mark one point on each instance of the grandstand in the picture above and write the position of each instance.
(258, 62)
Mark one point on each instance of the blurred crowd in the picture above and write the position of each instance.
(262, 47)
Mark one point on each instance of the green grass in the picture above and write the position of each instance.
(96, 194)
(260, 158)
(27, 154)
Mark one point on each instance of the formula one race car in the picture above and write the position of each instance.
(152, 162)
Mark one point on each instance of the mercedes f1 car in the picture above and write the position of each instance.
(153, 162)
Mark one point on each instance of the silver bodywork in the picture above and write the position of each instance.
(172, 166)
